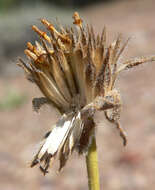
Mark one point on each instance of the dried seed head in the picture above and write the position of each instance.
(76, 71)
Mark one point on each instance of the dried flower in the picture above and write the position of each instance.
(76, 71)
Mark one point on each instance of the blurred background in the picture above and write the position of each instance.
(129, 168)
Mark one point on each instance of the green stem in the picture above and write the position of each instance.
(92, 167)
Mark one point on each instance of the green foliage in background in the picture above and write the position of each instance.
(6, 5)
(12, 100)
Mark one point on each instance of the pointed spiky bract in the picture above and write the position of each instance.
(76, 71)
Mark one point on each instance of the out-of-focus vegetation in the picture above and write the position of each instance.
(12, 100)
(8, 4)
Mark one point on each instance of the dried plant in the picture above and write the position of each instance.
(76, 71)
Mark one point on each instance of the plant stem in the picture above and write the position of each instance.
(92, 167)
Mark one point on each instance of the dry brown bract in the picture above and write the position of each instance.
(76, 72)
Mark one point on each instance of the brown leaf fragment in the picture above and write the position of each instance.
(135, 62)
(90, 74)
(38, 102)
(122, 49)
(116, 46)
(104, 78)
(86, 136)
(103, 37)
(78, 67)
(60, 79)
(27, 69)
(64, 154)
(67, 72)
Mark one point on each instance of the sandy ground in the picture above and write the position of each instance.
(129, 168)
